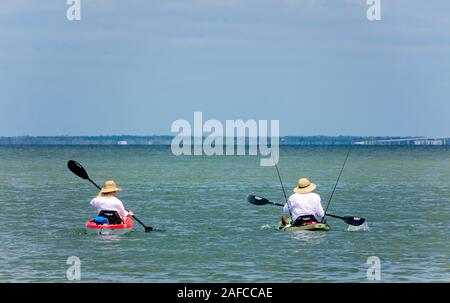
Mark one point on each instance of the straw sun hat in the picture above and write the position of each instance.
(109, 187)
(304, 186)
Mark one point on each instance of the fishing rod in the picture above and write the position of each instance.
(281, 182)
(284, 191)
(337, 182)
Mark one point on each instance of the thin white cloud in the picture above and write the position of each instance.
(299, 4)
(14, 7)
(200, 4)
(195, 42)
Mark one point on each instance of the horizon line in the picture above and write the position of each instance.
(280, 136)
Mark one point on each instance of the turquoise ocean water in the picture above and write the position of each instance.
(210, 232)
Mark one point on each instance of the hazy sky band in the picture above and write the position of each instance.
(133, 67)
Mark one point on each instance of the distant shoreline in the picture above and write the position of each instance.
(122, 140)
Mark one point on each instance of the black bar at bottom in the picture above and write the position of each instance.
(220, 292)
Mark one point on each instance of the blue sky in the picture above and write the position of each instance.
(133, 67)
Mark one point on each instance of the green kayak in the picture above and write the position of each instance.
(309, 227)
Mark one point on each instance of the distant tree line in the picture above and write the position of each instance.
(166, 140)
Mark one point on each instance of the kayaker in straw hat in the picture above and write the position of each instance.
(109, 206)
(304, 206)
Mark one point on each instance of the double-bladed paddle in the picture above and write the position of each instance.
(355, 221)
(79, 170)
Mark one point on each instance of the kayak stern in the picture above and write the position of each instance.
(109, 229)
(308, 227)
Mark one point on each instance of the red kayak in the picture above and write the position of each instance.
(109, 229)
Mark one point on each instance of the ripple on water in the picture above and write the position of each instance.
(211, 233)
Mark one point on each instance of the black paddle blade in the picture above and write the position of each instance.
(148, 228)
(257, 200)
(77, 169)
(354, 221)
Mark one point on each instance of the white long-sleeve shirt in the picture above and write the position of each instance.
(109, 203)
(304, 205)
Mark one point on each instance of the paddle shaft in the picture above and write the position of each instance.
(94, 184)
(334, 216)
(277, 204)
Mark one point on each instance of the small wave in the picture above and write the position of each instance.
(362, 227)
(266, 227)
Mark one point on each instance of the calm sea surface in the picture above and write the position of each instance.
(210, 233)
